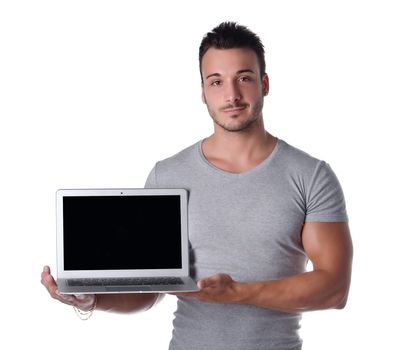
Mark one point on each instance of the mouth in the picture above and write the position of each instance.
(236, 109)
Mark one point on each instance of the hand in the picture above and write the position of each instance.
(219, 288)
(84, 302)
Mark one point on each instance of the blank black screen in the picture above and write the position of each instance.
(122, 232)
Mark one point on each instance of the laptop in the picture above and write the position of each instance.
(122, 241)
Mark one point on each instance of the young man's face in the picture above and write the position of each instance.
(232, 88)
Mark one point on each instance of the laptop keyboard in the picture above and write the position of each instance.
(138, 281)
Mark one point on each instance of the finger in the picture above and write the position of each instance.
(74, 299)
(185, 294)
(51, 286)
(46, 277)
(45, 272)
(47, 280)
(85, 301)
(177, 294)
(65, 298)
(209, 281)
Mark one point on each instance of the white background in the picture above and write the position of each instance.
(93, 93)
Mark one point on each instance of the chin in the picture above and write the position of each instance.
(236, 128)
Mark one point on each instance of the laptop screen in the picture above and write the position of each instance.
(122, 232)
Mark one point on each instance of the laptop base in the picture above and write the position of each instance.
(64, 287)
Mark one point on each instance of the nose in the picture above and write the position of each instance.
(232, 93)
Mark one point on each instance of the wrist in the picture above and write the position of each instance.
(242, 293)
(247, 293)
(86, 314)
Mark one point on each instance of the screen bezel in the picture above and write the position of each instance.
(62, 273)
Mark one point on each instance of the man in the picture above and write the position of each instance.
(258, 210)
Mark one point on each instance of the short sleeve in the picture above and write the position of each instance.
(325, 201)
(151, 181)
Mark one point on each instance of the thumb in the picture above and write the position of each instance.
(208, 281)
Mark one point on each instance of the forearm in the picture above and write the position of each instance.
(126, 303)
(304, 292)
(329, 248)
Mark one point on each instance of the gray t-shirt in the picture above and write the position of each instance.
(247, 225)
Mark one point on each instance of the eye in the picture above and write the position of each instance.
(244, 78)
(215, 83)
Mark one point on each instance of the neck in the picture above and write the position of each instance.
(251, 143)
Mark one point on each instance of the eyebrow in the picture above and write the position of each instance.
(238, 72)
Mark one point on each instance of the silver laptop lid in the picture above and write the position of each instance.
(122, 233)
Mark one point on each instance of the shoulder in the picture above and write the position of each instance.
(296, 160)
(169, 172)
(181, 159)
(308, 173)
(315, 180)
(173, 170)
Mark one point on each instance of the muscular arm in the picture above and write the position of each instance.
(328, 246)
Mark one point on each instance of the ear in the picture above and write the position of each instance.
(265, 84)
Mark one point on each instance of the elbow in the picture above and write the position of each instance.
(341, 303)
(340, 300)
(340, 294)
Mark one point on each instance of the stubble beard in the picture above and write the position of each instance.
(256, 113)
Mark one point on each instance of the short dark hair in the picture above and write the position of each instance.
(231, 35)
